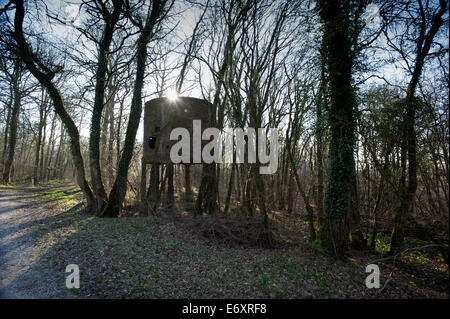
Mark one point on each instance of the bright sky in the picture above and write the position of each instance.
(60, 34)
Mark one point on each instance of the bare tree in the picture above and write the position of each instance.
(45, 75)
(156, 13)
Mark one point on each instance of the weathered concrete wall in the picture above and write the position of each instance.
(161, 115)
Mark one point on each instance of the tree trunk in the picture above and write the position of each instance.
(110, 152)
(206, 201)
(333, 237)
(309, 209)
(100, 86)
(59, 153)
(320, 146)
(230, 186)
(39, 137)
(118, 191)
(187, 183)
(45, 76)
(12, 139)
(8, 120)
(424, 43)
(49, 153)
(170, 188)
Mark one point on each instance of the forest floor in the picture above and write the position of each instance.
(43, 229)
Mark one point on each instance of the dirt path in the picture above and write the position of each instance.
(21, 274)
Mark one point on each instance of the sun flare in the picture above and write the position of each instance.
(172, 95)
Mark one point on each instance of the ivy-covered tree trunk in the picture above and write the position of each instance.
(334, 235)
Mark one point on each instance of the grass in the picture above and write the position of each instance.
(65, 196)
(154, 257)
(17, 186)
(137, 258)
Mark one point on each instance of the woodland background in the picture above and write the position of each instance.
(358, 90)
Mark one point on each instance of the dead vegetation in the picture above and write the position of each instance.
(229, 230)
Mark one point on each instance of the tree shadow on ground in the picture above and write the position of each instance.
(153, 257)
